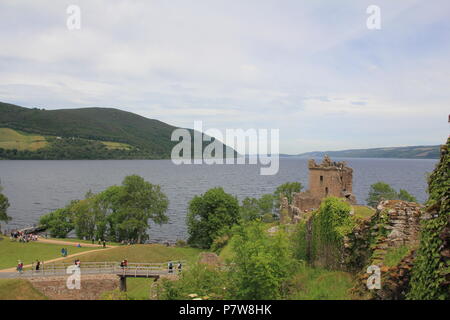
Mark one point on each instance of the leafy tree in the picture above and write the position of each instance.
(261, 263)
(252, 208)
(210, 213)
(286, 190)
(266, 204)
(383, 191)
(4, 205)
(89, 218)
(134, 204)
(58, 223)
(122, 212)
(380, 191)
(249, 210)
(406, 196)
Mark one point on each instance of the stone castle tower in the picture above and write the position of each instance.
(327, 179)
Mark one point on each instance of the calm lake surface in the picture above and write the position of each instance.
(38, 187)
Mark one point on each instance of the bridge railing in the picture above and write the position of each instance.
(132, 269)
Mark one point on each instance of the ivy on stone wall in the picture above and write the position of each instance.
(319, 239)
(431, 268)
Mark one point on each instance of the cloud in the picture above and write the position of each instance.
(310, 68)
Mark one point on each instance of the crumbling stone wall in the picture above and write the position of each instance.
(396, 223)
(330, 179)
(92, 287)
(327, 179)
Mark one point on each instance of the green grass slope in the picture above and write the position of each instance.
(104, 124)
(12, 251)
(410, 152)
(18, 289)
(151, 253)
(83, 131)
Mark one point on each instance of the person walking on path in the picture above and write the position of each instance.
(38, 265)
(170, 267)
(179, 266)
(20, 267)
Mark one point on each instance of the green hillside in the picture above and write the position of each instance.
(411, 152)
(87, 133)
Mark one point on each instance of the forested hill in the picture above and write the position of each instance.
(411, 152)
(87, 133)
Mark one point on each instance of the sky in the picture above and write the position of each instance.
(311, 69)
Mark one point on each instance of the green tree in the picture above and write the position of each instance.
(210, 213)
(90, 218)
(287, 190)
(59, 222)
(380, 191)
(122, 212)
(133, 205)
(266, 204)
(252, 208)
(249, 210)
(261, 263)
(4, 205)
(406, 196)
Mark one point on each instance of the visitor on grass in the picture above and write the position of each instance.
(170, 267)
(179, 266)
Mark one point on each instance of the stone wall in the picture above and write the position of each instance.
(395, 224)
(92, 287)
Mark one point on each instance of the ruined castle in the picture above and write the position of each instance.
(327, 179)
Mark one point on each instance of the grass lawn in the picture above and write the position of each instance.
(226, 253)
(395, 255)
(18, 289)
(74, 240)
(139, 288)
(12, 251)
(320, 284)
(363, 211)
(143, 253)
(12, 139)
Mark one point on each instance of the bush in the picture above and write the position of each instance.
(261, 263)
(200, 279)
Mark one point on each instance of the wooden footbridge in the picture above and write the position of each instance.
(132, 270)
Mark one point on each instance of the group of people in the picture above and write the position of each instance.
(170, 266)
(23, 237)
(35, 266)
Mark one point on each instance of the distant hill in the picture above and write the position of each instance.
(412, 152)
(87, 133)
